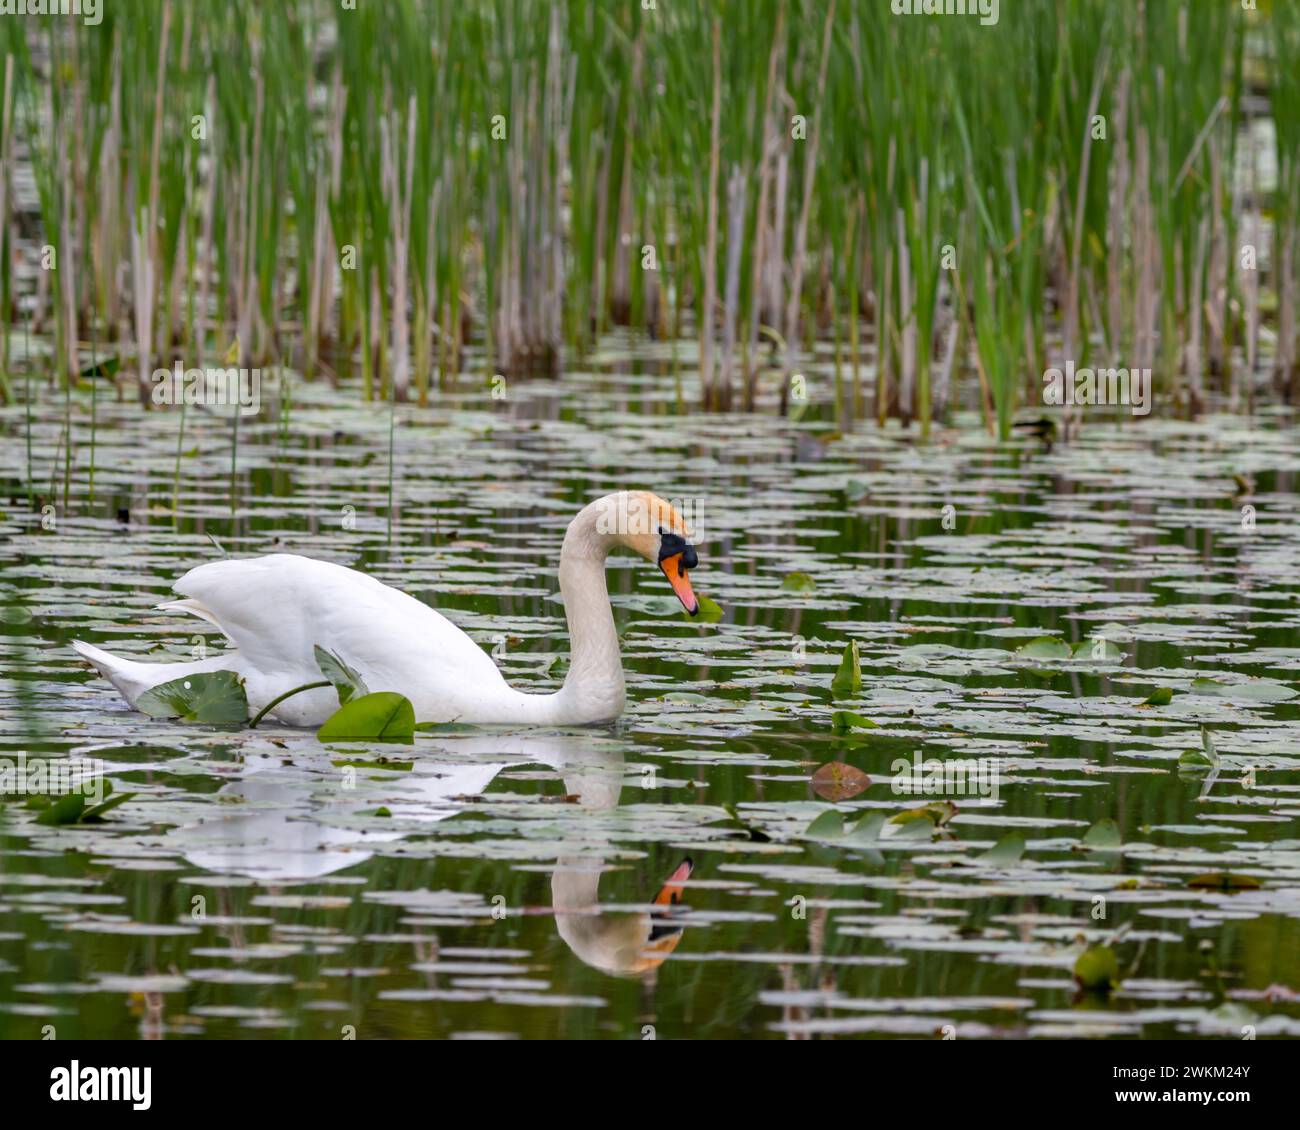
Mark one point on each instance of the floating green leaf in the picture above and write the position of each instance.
(71, 808)
(842, 721)
(868, 828)
(1097, 651)
(1103, 836)
(214, 698)
(686, 697)
(911, 829)
(1045, 647)
(1097, 968)
(95, 814)
(938, 813)
(1201, 760)
(383, 716)
(1256, 690)
(709, 611)
(67, 809)
(1006, 852)
(556, 666)
(826, 826)
(105, 368)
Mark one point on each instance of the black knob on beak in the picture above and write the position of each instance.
(670, 545)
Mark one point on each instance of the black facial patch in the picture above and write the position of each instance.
(671, 544)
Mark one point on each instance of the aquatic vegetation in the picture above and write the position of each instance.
(212, 699)
(382, 716)
(437, 192)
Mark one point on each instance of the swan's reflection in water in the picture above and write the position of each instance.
(624, 944)
(280, 830)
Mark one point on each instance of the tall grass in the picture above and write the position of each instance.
(957, 206)
(1285, 107)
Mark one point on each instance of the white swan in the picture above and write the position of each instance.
(275, 610)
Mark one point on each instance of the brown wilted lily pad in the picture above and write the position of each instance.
(837, 780)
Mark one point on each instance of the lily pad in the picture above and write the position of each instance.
(1256, 690)
(826, 825)
(1097, 968)
(1097, 651)
(868, 828)
(1224, 881)
(214, 698)
(1203, 759)
(837, 780)
(73, 808)
(708, 611)
(1006, 852)
(382, 716)
(1103, 836)
(843, 721)
(1045, 647)
(938, 813)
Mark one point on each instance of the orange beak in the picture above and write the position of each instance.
(675, 571)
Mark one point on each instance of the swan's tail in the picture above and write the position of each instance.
(132, 678)
(101, 661)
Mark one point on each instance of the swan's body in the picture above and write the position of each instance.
(276, 610)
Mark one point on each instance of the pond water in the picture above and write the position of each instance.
(496, 884)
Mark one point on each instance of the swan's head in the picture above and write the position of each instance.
(648, 525)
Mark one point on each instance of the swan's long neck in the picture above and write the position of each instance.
(593, 691)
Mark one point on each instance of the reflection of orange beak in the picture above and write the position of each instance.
(664, 932)
(675, 571)
(671, 892)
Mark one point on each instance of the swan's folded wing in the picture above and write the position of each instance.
(277, 609)
(262, 604)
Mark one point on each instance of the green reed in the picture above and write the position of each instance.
(382, 188)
